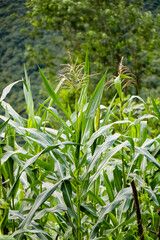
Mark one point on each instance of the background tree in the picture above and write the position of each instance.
(108, 29)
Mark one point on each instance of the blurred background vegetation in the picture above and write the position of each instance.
(41, 32)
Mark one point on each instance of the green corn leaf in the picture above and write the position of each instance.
(105, 160)
(100, 238)
(143, 132)
(41, 106)
(49, 148)
(59, 85)
(62, 158)
(125, 223)
(4, 209)
(9, 154)
(28, 97)
(14, 125)
(89, 210)
(122, 195)
(152, 195)
(67, 195)
(95, 99)
(113, 219)
(68, 233)
(38, 202)
(117, 178)
(17, 118)
(145, 116)
(64, 125)
(8, 89)
(43, 139)
(4, 237)
(100, 149)
(117, 84)
(97, 119)
(97, 185)
(58, 208)
(3, 126)
(149, 142)
(140, 99)
(83, 95)
(53, 95)
(40, 233)
(108, 113)
(145, 153)
(131, 141)
(96, 198)
(91, 110)
(54, 132)
(60, 169)
(108, 186)
(33, 160)
(155, 108)
(141, 182)
(102, 131)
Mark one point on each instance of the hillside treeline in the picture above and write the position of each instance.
(38, 32)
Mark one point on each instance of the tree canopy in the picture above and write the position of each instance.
(107, 29)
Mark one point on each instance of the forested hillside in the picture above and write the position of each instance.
(22, 43)
(153, 6)
(14, 36)
(12, 44)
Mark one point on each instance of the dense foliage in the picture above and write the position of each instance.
(108, 29)
(73, 181)
(107, 43)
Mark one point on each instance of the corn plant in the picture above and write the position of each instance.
(73, 182)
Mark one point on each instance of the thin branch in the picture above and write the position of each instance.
(57, 237)
(138, 213)
(158, 234)
(153, 232)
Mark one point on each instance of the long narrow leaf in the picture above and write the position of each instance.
(38, 202)
(91, 110)
(8, 89)
(105, 160)
(109, 187)
(100, 149)
(33, 160)
(155, 107)
(3, 126)
(122, 195)
(67, 194)
(83, 95)
(28, 97)
(53, 94)
(145, 153)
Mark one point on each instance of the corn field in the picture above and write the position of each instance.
(93, 175)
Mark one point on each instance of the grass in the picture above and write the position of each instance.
(73, 182)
